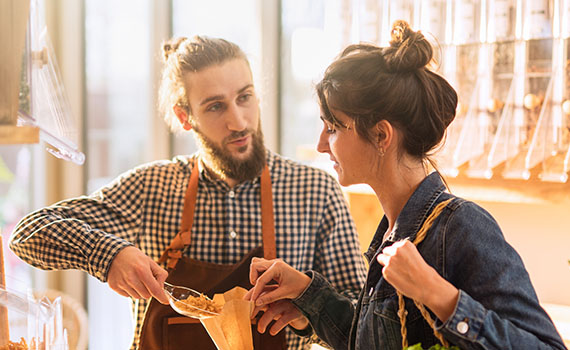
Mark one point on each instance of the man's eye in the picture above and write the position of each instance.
(214, 107)
(244, 97)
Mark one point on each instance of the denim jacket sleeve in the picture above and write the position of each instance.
(330, 313)
(497, 306)
(472, 326)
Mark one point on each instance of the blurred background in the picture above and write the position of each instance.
(508, 149)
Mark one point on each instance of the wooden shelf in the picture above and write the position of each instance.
(10, 134)
(531, 191)
(499, 189)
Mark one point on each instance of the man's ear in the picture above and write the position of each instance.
(182, 117)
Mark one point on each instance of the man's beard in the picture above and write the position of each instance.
(221, 162)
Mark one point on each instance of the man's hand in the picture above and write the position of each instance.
(133, 274)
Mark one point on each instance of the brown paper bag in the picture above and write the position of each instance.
(232, 329)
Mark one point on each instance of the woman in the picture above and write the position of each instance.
(384, 111)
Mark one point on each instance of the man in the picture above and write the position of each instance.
(125, 232)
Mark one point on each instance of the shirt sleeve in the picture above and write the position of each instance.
(338, 255)
(83, 233)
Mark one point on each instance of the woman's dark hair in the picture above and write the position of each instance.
(370, 83)
(183, 55)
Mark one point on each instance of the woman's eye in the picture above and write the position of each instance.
(330, 129)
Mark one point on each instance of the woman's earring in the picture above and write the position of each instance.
(381, 151)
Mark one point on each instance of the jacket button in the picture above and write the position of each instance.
(462, 327)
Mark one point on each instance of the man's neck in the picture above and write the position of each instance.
(216, 175)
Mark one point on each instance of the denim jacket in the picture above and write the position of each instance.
(497, 306)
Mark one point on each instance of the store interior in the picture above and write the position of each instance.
(79, 107)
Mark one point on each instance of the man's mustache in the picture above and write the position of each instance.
(236, 135)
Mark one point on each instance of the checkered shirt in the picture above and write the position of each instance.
(143, 207)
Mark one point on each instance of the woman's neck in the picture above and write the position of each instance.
(395, 187)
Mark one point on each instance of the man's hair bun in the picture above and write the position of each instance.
(171, 46)
(408, 50)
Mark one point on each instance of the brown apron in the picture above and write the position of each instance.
(165, 329)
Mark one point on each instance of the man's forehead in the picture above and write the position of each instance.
(222, 80)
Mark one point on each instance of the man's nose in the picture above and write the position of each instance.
(236, 118)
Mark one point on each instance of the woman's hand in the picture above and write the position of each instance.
(406, 270)
(286, 282)
(275, 283)
(284, 313)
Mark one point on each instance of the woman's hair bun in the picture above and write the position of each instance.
(408, 50)
(171, 46)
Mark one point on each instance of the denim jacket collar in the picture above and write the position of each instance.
(414, 213)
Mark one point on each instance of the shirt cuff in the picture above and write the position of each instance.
(466, 321)
(103, 254)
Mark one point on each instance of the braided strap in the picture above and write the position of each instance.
(402, 313)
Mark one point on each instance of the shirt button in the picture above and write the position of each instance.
(233, 234)
(232, 194)
(462, 327)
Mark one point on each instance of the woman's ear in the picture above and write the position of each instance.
(384, 134)
(182, 117)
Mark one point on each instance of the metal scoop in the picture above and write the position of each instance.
(177, 296)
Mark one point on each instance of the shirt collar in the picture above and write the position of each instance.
(206, 176)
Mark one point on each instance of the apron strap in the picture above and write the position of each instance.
(183, 238)
(267, 221)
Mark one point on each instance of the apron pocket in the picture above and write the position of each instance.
(185, 333)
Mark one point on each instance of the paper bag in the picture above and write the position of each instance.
(231, 330)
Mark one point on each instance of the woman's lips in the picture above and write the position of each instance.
(336, 166)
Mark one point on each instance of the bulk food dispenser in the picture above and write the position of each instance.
(497, 84)
(532, 90)
(31, 324)
(27, 323)
(552, 139)
(464, 65)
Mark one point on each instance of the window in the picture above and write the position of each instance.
(312, 35)
(236, 21)
(119, 107)
(20, 193)
(119, 91)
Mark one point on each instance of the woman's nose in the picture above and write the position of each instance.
(323, 144)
